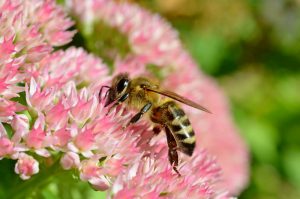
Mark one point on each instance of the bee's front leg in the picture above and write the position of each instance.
(100, 92)
(119, 101)
(138, 116)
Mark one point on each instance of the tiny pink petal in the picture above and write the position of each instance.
(6, 147)
(114, 166)
(20, 124)
(57, 116)
(100, 183)
(35, 138)
(61, 137)
(39, 99)
(85, 140)
(8, 109)
(89, 169)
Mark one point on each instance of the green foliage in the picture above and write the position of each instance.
(60, 184)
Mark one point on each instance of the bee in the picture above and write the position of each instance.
(160, 106)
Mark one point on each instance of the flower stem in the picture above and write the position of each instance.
(36, 183)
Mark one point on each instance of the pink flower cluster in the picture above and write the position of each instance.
(151, 179)
(61, 111)
(153, 41)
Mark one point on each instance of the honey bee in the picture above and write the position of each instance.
(145, 95)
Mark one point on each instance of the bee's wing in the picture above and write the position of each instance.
(179, 98)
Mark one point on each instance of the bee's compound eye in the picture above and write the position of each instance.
(123, 83)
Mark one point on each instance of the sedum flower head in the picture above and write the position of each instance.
(50, 100)
(153, 41)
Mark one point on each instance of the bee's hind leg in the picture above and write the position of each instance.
(138, 116)
(173, 155)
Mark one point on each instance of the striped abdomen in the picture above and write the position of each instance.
(173, 116)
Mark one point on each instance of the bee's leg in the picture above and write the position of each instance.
(120, 100)
(157, 129)
(173, 155)
(100, 92)
(138, 116)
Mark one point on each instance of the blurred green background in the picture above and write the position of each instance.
(252, 48)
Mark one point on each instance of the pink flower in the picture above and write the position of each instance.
(6, 147)
(26, 166)
(114, 166)
(20, 125)
(8, 109)
(70, 160)
(57, 116)
(85, 140)
(35, 138)
(83, 107)
(90, 171)
(9, 77)
(37, 98)
(61, 137)
(6, 48)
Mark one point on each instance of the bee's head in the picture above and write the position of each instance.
(118, 88)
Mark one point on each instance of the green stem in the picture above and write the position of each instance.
(42, 179)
